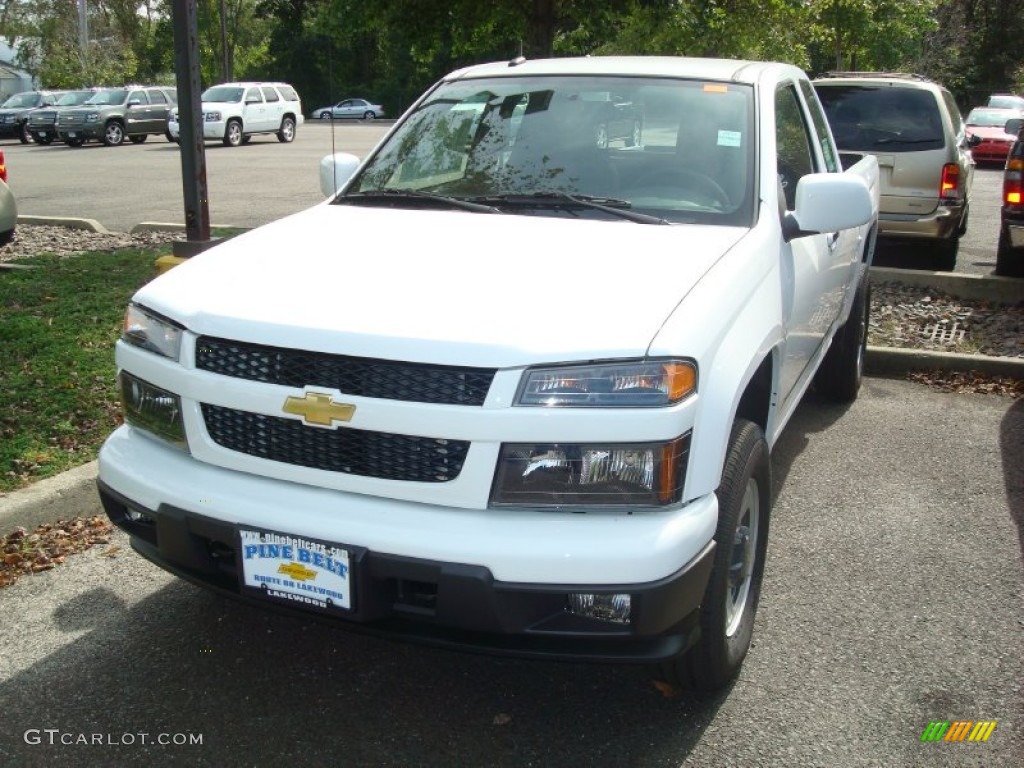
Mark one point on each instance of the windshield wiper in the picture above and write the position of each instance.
(609, 205)
(390, 193)
(898, 140)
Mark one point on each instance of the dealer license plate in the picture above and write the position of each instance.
(43, 134)
(296, 570)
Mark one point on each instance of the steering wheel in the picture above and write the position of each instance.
(680, 178)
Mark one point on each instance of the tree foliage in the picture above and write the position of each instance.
(391, 50)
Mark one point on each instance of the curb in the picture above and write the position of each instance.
(69, 494)
(893, 361)
(64, 221)
(994, 288)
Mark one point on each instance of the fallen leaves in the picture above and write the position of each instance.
(49, 545)
(972, 382)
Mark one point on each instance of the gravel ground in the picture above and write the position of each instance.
(901, 316)
(33, 240)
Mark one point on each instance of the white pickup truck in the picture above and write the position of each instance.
(514, 386)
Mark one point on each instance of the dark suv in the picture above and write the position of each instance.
(111, 115)
(14, 113)
(1010, 254)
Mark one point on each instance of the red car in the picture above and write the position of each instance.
(988, 123)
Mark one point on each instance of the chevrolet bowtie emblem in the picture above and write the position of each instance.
(317, 408)
(297, 571)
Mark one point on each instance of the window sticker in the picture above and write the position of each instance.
(729, 138)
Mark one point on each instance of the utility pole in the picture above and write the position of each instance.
(83, 28)
(190, 115)
(226, 68)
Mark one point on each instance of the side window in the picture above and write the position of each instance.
(138, 96)
(954, 113)
(828, 150)
(288, 93)
(253, 95)
(792, 143)
(270, 94)
(157, 97)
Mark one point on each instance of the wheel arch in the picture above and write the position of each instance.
(739, 386)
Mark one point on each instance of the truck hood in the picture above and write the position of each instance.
(454, 288)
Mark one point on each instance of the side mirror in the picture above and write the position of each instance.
(973, 140)
(1013, 126)
(828, 202)
(335, 171)
(134, 102)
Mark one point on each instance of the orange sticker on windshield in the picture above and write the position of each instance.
(709, 88)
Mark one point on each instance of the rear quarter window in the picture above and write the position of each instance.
(883, 118)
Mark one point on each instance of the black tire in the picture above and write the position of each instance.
(369, 115)
(74, 142)
(1009, 260)
(842, 370)
(6, 237)
(945, 254)
(326, 116)
(24, 136)
(247, 139)
(113, 134)
(734, 587)
(138, 139)
(233, 134)
(44, 140)
(286, 134)
(170, 138)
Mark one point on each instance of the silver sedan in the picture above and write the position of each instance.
(352, 109)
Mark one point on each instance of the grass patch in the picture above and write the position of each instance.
(58, 325)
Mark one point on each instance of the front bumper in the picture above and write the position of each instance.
(10, 130)
(90, 131)
(941, 224)
(494, 580)
(211, 130)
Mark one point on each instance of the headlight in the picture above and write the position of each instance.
(147, 330)
(213, 117)
(153, 409)
(610, 385)
(595, 475)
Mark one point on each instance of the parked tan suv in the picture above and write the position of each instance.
(914, 127)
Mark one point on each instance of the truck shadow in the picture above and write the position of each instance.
(259, 684)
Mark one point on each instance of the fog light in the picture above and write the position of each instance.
(603, 607)
(153, 409)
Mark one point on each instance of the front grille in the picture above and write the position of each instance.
(352, 451)
(42, 118)
(72, 119)
(361, 376)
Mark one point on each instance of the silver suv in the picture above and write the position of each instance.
(914, 127)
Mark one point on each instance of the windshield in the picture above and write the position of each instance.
(992, 118)
(223, 94)
(676, 150)
(882, 118)
(108, 96)
(73, 98)
(29, 99)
